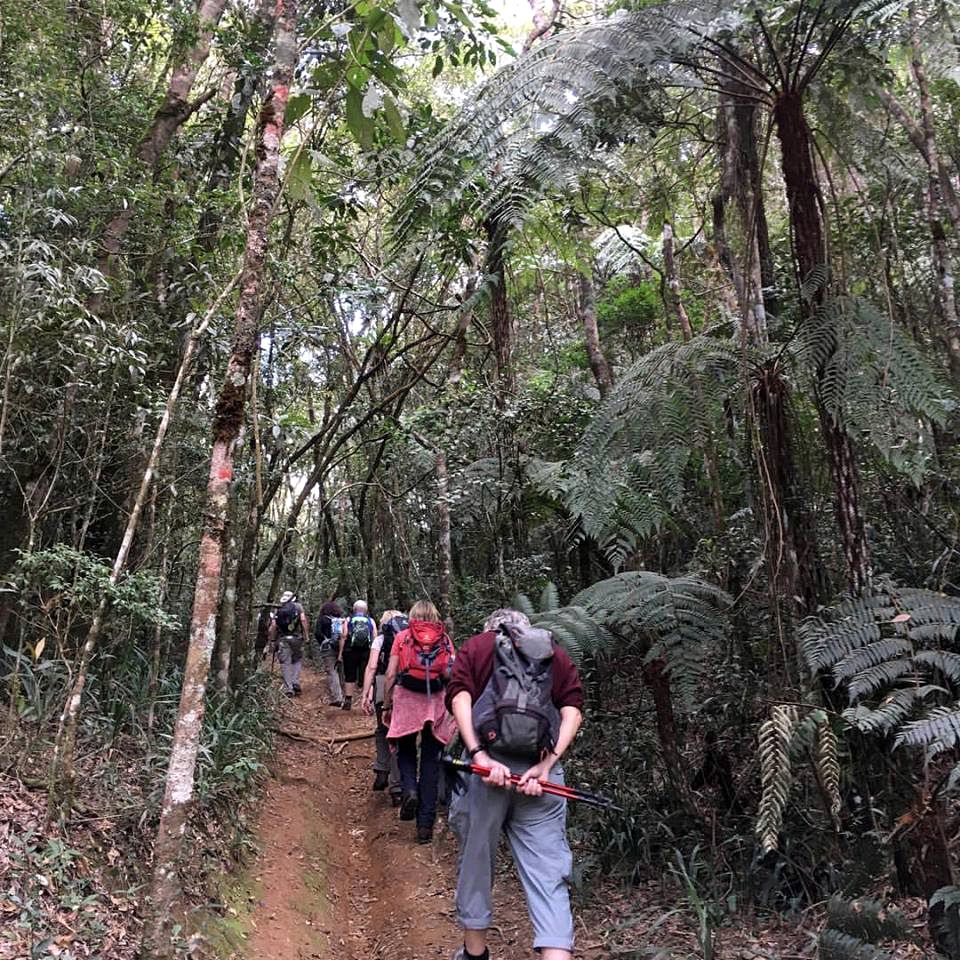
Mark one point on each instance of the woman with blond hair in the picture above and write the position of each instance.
(420, 664)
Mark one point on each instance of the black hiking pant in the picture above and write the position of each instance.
(426, 786)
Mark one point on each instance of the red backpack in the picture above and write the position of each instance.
(425, 657)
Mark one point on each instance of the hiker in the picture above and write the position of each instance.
(329, 628)
(526, 735)
(355, 642)
(289, 632)
(386, 772)
(417, 672)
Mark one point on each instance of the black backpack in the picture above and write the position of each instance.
(287, 616)
(359, 632)
(390, 630)
(515, 715)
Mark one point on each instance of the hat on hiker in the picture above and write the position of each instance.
(287, 596)
(506, 617)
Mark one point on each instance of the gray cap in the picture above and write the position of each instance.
(506, 617)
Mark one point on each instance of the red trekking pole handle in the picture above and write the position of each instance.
(548, 786)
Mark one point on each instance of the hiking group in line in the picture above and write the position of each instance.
(514, 697)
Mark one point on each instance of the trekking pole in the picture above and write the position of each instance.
(548, 786)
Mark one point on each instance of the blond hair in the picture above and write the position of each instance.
(425, 610)
(388, 615)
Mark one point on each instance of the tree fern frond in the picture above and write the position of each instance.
(869, 920)
(549, 598)
(776, 774)
(835, 945)
(826, 758)
(524, 604)
(939, 730)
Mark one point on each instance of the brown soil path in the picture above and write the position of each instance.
(339, 875)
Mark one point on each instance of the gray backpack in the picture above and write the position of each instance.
(515, 715)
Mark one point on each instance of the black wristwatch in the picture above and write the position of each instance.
(477, 749)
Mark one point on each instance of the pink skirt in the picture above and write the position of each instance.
(412, 711)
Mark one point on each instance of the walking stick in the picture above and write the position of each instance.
(548, 786)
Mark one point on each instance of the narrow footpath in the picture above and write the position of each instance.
(339, 875)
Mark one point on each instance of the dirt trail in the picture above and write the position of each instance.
(339, 875)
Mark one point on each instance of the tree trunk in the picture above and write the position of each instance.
(446, 552)
(588, 317)
(741, 182)
(810, 250)
(175, 109)
(228, 419)
(936, 206)
(501, 322)
(658, 680)
(545, 13)
(674, 302)
(62, 774)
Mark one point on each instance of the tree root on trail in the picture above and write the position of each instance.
(326, 741)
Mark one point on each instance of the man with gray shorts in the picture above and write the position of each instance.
(533, 822)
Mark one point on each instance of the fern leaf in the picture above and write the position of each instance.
(939, 730)
(836, 945)
(776, 775)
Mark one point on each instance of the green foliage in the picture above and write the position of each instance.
(628, 309)
(680, 620)
(629, 473)
(869, 920)
(891, 652)
(872, 377)
(835, 945)
(782, 737)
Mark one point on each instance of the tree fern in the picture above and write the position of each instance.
(680, 620)
(894, 652)
(873, 378)
(629, 472)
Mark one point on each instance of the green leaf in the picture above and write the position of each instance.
(297, 106)
(394, 119)
(459, 13)
(300, 177)
(438, 66)
(360, 126)
(387, 36)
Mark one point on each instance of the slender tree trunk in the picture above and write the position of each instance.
(672, 283)
(672, 290)
(545, 13)
(587, 301)
(175, 109)
(658, 680)
(62, 774)
(227, 620)
(936, 207)
(228, 420)
(805, 220)
(501, 321)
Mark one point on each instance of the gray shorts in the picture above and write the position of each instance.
(536, 829)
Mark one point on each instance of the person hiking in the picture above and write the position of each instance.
(413, 707)
(357, 638)
(330, 625)
(386, 772)
(517, 700)
(289, 632)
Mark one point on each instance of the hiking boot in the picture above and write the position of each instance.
(347, 703)
(395, 798)
(296, 689)
(408, 806)
(424, 834)
(337, 704)
(380, 780)
(462, 954)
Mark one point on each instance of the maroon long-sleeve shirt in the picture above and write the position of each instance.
(474, 666)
